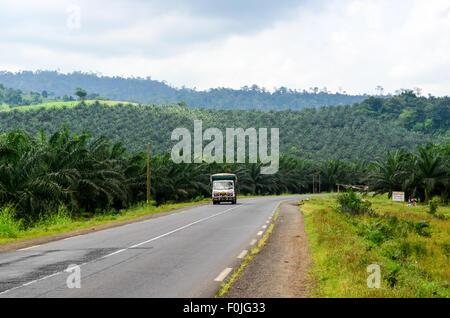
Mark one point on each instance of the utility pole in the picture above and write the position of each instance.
(148, 173)
(313, 183)
(319, 182)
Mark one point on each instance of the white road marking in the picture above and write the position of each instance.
(8, 290)
(28, 248)
(33, 281)
(114, 253)
(264, 226)
(183, 227)
(220, 278)
(29, 283)
(48, 276)
(243, 253)
(223, 274)
(119, 251)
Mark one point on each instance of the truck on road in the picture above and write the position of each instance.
(223, 188)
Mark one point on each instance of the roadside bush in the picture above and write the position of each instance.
(376, 232)
(9, 225)
(392, 275)
(351, 203)
(390, 227)
(433, 204)
(422, 228)
(433, 208)
(408, 248)
(199, 198)
(405, 249)
(62, 217)
(446, 249)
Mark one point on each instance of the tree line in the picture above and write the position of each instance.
(416, 113)
(86, 174)
(338, 133)
(148, 91)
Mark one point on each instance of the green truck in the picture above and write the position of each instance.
(223, 188)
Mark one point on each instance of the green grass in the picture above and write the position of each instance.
(60, 222)
(9, 226)
(61, 104)
(412, 264)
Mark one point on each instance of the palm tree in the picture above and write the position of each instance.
(252, 181)
(331, 171)
(25, 179)
(427, 173)
(389, 175)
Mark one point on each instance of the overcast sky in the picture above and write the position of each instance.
(352, 45)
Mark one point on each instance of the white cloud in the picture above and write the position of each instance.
(354, 44)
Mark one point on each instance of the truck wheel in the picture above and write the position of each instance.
(234, 201)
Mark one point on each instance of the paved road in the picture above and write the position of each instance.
(184, 254)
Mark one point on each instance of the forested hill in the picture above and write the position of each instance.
(342, 132)
(149, 91)
(427, 115)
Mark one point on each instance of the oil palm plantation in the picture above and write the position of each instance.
(428, 173)
(389, 174)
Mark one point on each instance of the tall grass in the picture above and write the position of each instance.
(9, 225)
(410, 245)
(61, 217)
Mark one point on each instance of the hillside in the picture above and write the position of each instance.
(10, 97)
(341, 132)
(148, 91)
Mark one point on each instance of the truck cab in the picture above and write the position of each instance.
(223, 188)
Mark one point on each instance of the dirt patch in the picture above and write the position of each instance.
(12, 246)
(280, 269)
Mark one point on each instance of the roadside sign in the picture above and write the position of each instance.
(398, 196)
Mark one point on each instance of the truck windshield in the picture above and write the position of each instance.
(223, 185)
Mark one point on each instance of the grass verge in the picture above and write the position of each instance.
(411, 247)
(61, 104)
(12, 230)
(225, 287)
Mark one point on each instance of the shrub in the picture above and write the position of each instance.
(390, 227)
(422, 228)
(199, 198)
(392, 276)
(433, 204)
(412, 248)
(351, 203)
(377, 232)
(62, 217)
(446, 249)
(9, 225)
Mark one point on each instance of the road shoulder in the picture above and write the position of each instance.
(280, 268)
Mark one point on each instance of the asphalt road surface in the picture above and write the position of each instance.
(185, 254)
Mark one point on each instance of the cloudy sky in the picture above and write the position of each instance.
(349, 45)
